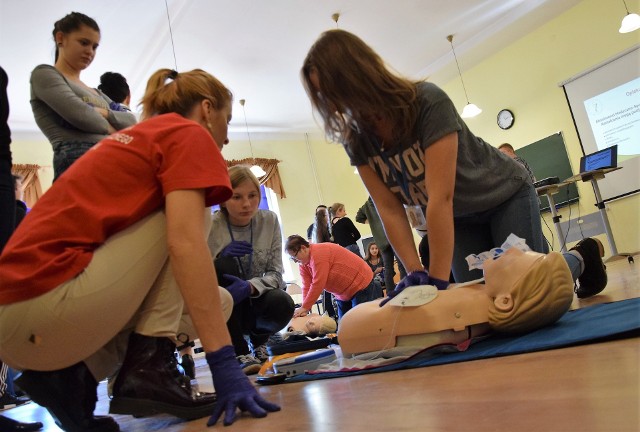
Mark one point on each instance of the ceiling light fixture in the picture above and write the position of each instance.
(255, 169)
(335, 17)
(630, 22)
(470, 110)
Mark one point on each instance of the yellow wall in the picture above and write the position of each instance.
(335, 178)
(524, 77)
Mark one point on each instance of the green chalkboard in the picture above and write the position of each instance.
(548, 158)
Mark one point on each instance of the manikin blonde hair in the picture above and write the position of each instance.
(540, 297)
(321, 325)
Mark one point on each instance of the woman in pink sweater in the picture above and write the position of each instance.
(333, 268)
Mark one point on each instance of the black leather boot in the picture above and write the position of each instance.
(70, 396)
(149, 383)
(10, 425)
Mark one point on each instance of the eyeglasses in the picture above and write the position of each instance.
(294, 257)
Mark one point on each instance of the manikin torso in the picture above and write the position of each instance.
(455, 315)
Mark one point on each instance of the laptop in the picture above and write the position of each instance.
(606, 158)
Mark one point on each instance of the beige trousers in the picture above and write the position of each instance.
(127, 286)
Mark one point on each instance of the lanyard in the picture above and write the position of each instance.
(245, 275)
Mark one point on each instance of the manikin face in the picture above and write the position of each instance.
(503, 273)
(243, 204)
(311, 324)
(77, 49)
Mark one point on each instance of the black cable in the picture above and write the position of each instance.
(545, 237)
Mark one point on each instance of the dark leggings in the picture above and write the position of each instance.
(259, 318)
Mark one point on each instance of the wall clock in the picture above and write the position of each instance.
(505, 119)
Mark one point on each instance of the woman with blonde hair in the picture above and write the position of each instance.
(246, 246)
(108, 257)
(344, 231)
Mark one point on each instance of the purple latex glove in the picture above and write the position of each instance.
(236, 248)
(418, 277)
(238, 288)
(233, 388)
(115, 106)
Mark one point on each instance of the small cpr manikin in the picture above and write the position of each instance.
(522, 291)
(312, 325)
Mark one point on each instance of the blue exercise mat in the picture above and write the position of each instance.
(589, 324)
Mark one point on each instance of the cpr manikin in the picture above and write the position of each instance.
(312, 325)
(522, 291)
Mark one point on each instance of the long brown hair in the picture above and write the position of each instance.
(356, 86)
(171, 92)
(368, 256)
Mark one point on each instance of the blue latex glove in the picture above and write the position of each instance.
(240, 289)
(236, 249)
(418, 277)
(233, 388)
(115, 106)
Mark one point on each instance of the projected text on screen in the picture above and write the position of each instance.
(615, 118)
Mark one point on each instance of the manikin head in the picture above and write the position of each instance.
(529, 290)
(313, 324)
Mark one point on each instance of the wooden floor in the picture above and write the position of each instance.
(593, 387)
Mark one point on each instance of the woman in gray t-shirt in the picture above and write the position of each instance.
(419, 161)
(72, 115)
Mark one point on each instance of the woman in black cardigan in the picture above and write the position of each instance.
(344, 231)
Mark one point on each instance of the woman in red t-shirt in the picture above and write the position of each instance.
(110, 252)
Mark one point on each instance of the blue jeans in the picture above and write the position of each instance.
(388, 258)
(575, 264)
(485, 230)
(354, 248)
(361, 296)
(67, 153)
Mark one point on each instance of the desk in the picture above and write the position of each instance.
(593, 176)
(549, 191)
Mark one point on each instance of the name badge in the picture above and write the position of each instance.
(416, 216)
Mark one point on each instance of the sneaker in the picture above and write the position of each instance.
(8, 401)
(594, 277)
(260, 353)
(250, 365)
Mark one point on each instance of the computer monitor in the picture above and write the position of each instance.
(607, 158)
